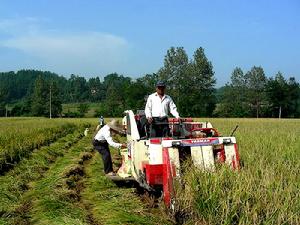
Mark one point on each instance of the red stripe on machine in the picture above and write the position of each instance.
(154, 174)
(167, 177)
(155, 141)
(237, 156)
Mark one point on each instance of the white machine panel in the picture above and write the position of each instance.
(174, 158)
(155, 154)
(229, 153)
(203, 157)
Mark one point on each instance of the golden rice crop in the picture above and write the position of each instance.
(19, 136)
(264, 191)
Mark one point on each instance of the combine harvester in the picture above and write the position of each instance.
(156, 162)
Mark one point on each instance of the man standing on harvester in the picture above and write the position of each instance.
(101, 141)
(157, 108)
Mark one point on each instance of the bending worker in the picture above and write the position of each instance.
(101, 141)
(158, 106)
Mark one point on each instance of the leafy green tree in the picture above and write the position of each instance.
(256, 82)
(20, 85)
(115, 79)
(96, 90)
(149, 81)
(39, 97)
(275, 97)
(191, 84)
(2, 109)
(277, 94)
(83, 108)
(21, 108)
(115, 97)
(174, 72)
(240, 90)
(135, 95)
(3, 98)
(293, 99)
(234, 99)
(77, 89)
(198, 86)
(114, 103)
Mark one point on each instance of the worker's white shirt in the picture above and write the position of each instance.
(160, 107)
(104, 134)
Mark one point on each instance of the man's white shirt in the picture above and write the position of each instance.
(160, 107)
(104, 134)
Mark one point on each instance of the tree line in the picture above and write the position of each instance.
(190, 82)
(252, 94)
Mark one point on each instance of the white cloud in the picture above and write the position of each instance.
(65, 52)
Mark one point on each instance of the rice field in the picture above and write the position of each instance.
(19, 136)
(51, 175)
(264, 191)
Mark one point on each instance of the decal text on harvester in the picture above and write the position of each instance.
(199, 142)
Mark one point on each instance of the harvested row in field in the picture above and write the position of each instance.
(50, 200)
(19, 138)
(110, 204)
(74, 190)
(16, 182)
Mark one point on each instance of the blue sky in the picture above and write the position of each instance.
(94, 38)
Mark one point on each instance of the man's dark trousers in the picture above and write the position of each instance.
(103, 149)
(160, 127)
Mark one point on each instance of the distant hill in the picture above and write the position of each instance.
(15, 86)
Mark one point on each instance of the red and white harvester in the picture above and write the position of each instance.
(155, 162)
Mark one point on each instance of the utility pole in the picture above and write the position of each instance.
(279, 112)
(50, 102)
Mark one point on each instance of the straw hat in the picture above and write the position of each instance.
(115, 125)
